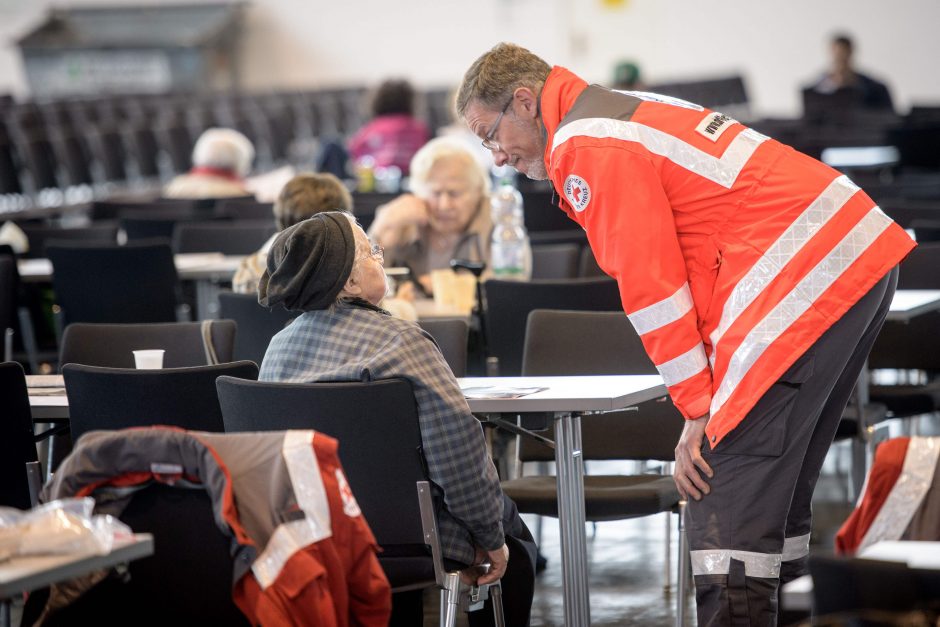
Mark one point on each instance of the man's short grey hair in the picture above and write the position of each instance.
(495, 76)
(446, 148)
(224, 149)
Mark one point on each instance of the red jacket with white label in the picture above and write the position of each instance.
(303, 555)
(733, 252)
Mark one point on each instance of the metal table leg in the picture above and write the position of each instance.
(570, 479)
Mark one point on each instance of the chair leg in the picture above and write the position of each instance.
(667, 574)
(496, 597)
(29, 339)
(683, 567)
(450, 596)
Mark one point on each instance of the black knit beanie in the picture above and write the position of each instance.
(309, 263)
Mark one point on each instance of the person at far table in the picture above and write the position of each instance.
(842, 75)
(222, 159)
(447, 215)
(303, 196)
(394, 134)
(757, 278)
(326, 268)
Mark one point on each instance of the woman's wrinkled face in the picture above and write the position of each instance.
(369, 274)
(452, 198)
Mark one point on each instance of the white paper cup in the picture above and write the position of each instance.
(149, 359)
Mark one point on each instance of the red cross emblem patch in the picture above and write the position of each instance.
(577, 191)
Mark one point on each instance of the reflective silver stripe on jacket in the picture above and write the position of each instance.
(662, 313)
(796, 547)
(684, 366)
(800, 298)
(785, 248)
(723, 170)
(292, 536)
(908, 492)
(718, 562)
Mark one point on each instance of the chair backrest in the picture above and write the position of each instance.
(914, 345)
(143, 225)
(111, 345)
(7, 294)
(111, 209)
(555, 261)
(231, 238)
(245, 209)
(191, 568)
(256, 324)
(599, 343)
(508, 304)
(918, 271)
(115, 398)
(39, 236)
(541, 214)
(17, 446)
(451, 335)
(376, 424)
(587, 265)
(133, 283)
(856, 588)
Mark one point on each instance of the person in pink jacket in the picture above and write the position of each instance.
(394, 135)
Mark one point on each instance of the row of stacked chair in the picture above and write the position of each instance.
(115, 139)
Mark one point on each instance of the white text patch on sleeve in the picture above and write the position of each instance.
(714, 124)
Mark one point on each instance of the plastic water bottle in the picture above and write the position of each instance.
(510, 252)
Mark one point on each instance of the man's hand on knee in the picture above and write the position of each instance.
(690, 465)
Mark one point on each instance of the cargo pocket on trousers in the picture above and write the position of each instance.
(763, 431)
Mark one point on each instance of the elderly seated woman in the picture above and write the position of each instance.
(303, 196)
(447, 217)
(221, 160)
(326, 268)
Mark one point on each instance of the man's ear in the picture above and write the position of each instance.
(527, 101)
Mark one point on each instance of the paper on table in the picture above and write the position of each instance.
(495, 391)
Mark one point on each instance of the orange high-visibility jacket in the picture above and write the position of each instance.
(733, 252)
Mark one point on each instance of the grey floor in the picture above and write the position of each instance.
(626, 560)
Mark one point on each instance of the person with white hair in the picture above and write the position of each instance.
(222, 159)
(447, 215)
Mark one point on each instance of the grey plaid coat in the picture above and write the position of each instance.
(356, 342)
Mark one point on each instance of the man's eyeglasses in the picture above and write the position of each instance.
(377, 253)
(488, 141)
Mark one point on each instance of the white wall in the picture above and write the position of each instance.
(776, 46)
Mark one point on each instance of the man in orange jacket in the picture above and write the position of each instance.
(756, 276)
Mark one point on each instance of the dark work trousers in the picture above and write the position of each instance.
(752, 531)
(518, 582)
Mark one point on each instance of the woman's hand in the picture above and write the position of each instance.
(690, 465)
(406, 210)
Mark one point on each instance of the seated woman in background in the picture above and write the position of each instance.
(303, 196)
(326, 268)
(222, 159)
(394, 134)
(446, 217)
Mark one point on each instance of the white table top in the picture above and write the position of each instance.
(568, 394)
(22, 574)
(189, 266)
(909, 303)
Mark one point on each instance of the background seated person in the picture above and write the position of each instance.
(842, 76)
(446, 217)
(222, 159)
(326, 268)
(303, 196)
(393, 136)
